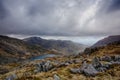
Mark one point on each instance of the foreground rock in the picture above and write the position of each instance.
(56, 77)
(44, 66)
(96, 66)
(86, 69)
(67, 63)
(111, 58)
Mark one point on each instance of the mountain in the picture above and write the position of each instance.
(103, 64)
(107, 40)
(62, 46)
(12, 50)
(110, 41)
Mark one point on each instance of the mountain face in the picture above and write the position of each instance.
(12, 50)
(62, 46)
(107, 40)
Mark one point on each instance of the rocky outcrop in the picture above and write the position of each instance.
(86, 69)
(96, 66)
(111, 58)
(67, 63)
(43, 66)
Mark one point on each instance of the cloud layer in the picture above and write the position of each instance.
(60, 17)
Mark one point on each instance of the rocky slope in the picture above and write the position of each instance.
(63, 46)
(13, 50)
(107, 40)
(103, 64)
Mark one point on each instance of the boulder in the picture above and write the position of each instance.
(86, 69)
(117, 58)
(75, 71)
(56, 77)
(43, 66)
(96, 66)
(106, 58)
(96, 63)
(84, 65)
(90, 70)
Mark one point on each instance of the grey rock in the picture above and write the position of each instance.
(96, 63)
(117, 62)
(90, 70)
(74, 71)
(56, 77)
(96, 66)
(115, 58)
(84, 66)
(86, 69)
(11, 77)
(64, 64)
(43, 66)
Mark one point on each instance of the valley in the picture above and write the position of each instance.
(96, 63)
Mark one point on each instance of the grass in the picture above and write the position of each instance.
(27, 72)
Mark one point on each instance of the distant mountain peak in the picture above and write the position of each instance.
(35, 38)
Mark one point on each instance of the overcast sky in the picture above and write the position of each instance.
(66, 18)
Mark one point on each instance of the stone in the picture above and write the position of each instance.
(43, 66)
(106, 58)
(86, 69)
(90, 70)
(84, 65)
(11, 77)
(96, 63)
(74, 71)
(117, 58)
(96, 66)
(56, 77)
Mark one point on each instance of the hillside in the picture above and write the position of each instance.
(13, 50)
(62, 46)
(103, 64)
(107, 40)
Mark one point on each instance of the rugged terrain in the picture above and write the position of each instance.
(14, 50)
(102, 63)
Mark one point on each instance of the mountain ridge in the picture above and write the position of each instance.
(63, 46)
(107, 40)
(12, 49)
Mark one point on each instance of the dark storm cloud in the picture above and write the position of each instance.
(115, 5)
(60, 17)
(2, 10)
